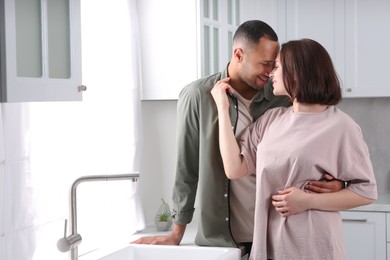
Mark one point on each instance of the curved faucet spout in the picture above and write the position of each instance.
(71, 242)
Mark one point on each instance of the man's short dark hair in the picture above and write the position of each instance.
(252, 31)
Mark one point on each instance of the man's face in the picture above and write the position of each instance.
(259, 62)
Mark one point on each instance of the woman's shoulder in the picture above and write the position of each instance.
(273, 115)
(341, 116)
(277, 111)
(344, 121)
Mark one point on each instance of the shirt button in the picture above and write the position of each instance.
(227, 219)
(225, 195)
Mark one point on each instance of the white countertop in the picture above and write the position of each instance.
(382, 204)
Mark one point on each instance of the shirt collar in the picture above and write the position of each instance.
(225, 73)
(265, 93)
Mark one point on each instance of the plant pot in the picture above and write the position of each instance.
(163, 226)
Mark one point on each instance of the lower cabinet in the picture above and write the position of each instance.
(388, 250)
(388, 234)
(365, 235)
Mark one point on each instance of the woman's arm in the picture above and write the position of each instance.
(233, 162)
(293, 201)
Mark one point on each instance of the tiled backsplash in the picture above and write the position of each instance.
(372, 114)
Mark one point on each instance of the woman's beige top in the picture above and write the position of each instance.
(286, 149)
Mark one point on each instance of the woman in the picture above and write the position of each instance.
(286, 147)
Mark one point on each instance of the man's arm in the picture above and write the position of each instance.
(172, 239)
(327, 184)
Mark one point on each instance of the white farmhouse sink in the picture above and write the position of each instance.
(146, 252)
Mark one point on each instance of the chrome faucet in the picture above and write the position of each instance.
(71, 242)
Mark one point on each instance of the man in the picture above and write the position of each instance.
(226, 207)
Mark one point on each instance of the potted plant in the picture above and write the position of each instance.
(163, 218)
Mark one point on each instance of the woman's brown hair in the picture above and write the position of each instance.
(308, 73)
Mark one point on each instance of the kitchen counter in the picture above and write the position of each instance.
(382, 204)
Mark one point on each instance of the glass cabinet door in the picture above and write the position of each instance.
(219, 20)
(41, 50)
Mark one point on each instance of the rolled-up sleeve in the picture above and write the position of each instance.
(187, 165)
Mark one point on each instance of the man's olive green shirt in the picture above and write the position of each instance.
(199, 168)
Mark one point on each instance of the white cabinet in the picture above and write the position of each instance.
(169, 46)
(388, 251)
(367, 41)
(321, 21)
(40, 50)
(388, 234)
(218, 22)
(184, 40)
(356, 39)
(365, 235)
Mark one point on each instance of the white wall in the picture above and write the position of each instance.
(158, 156)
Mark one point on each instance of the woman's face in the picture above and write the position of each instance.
(277, 78)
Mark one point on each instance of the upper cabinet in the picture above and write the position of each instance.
(184, 40)
(169, 46)
(321, 21)
(40, 43)
(356, 39)
(367, 41)
(218, 22)
(40, 50)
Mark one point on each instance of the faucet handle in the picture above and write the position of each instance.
(67, 243)
(66, 226)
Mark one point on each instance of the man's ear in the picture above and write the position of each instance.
(238, 54)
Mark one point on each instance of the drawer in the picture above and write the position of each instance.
(388, 251)
(388, 231)
(365, 235)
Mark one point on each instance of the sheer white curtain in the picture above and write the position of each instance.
(49, 145)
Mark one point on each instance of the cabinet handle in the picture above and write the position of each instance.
(82, 88)
(354, 220)
(349, 89)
